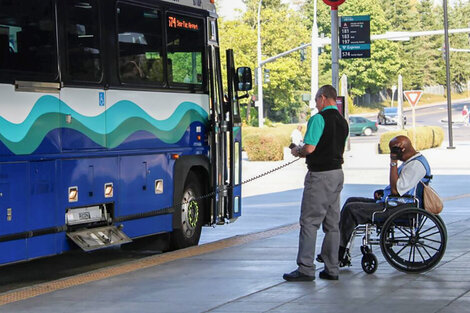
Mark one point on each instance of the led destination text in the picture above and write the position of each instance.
(174, 22)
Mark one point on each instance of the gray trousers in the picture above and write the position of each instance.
(356, 211)
(320, 206)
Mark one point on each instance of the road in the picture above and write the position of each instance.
(426, 116)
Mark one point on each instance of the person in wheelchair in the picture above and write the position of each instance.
(404, 181)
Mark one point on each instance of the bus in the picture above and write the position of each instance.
(114, 124)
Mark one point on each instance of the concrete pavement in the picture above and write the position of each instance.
(247, 277)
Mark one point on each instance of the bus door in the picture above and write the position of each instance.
(233, 141)
(217, 138)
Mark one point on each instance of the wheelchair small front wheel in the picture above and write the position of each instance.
(365, 250)
(369, 263)
(413, 240)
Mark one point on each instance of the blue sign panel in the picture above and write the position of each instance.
(354, 37)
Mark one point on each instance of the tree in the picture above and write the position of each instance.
(459, 17)
(364, 75)
(280, 31)
(429, 61)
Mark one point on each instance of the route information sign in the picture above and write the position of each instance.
(354, 36)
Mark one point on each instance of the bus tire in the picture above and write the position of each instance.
(188, 232)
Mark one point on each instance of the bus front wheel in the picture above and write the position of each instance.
(191, 211)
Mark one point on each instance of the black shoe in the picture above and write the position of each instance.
(320, 259)
(345, 262)
(297, 276)
(324, 275)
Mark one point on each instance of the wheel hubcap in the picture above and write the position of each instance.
(189, 213)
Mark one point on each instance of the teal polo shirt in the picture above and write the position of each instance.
(315, 127)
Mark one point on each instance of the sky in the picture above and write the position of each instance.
(227, 8)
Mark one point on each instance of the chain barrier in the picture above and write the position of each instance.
(226, 188)
(269, 172)
(170, 209)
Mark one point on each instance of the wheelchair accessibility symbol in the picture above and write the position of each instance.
(101, 99)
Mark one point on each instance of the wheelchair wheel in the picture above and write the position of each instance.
(413, 240)
(369, 263)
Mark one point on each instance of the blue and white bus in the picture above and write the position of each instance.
(113, 123)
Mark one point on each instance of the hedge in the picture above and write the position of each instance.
(263, 147)
(426, 137)
(267, 143)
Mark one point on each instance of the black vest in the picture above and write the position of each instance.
(328, 154)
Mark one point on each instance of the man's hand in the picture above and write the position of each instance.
(295, 151)
(397, 151)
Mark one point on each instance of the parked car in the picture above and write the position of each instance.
(359, 125)
(389, 116)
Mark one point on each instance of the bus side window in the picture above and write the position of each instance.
(83, 41)
(140, 44)
(4, 50)
(28, 48)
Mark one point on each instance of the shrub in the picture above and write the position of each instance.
(424, 137)
(278, 135)
(386, 137)
(263, 147)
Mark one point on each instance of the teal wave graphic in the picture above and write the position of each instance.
(118, 122)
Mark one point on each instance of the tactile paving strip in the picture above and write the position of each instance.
(40, 289)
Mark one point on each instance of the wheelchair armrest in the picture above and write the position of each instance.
(394, 201)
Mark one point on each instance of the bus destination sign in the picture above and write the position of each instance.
(354, 36)
(180, 23)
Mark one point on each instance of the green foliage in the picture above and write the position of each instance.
(459, 17)
(364, 75)
(280, 31)
(422, 138)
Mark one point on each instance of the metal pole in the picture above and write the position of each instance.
(334, 48)
(314, 78)
(449, 101)
(400, 102)
(344, 93)
(260, 74)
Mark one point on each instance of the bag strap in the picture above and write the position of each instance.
(427, 178)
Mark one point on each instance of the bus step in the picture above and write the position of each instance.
(98, 238)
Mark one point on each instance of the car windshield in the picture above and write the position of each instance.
(390, 111)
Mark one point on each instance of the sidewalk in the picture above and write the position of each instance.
(247, 277)
(362, 165)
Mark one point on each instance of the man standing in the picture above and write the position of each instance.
(323, 149)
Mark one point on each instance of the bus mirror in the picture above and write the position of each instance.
(244, 81)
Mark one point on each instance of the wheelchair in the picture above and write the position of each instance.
(412, 240)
